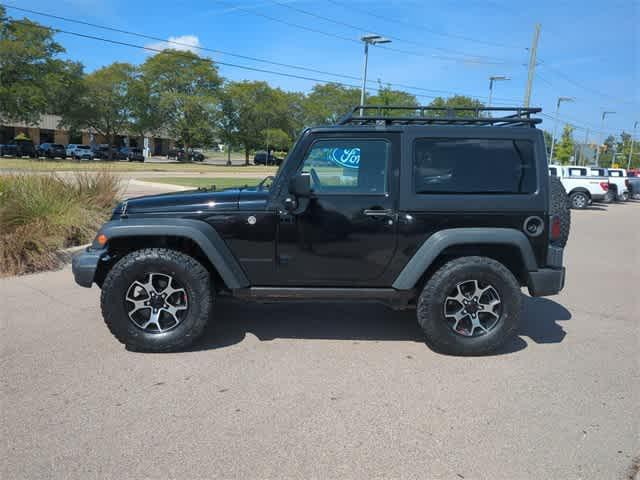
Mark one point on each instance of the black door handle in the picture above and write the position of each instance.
(378, 212)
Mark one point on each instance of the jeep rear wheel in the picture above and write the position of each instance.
(157, 300)
(470, 306)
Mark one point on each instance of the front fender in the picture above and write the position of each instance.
(203, 234)
(439, 241)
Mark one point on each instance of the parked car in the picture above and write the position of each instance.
(367, 224)
(633, 181)
(52, 150)
(618, 188)
(260, 158)
(79, 152)
(582, 188)
(132, 154)
(104, 152)
(179, 154)
(18, 148)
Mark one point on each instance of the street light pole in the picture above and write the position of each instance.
(604, 114)
(495, 78)
(555, 124)
(635, 125)
(373, 40)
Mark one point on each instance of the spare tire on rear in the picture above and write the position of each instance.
(559, 206)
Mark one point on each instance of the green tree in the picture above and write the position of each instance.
(457, 101)
(104, 102)
(606, 151)
(182, 92)
(565, 147)
(276, 139)
(386, 96)
(33, 79)
(253, 107)
(327, 103)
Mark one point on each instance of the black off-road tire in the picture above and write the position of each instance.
(559, 205)
(579, 200)
(430, 309)
(194, 278)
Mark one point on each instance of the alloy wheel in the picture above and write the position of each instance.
(472, 308)
(156, 302)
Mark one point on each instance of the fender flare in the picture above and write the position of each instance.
(581, 190)
(439, 241)
(203, 234)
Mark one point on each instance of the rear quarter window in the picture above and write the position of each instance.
(468, 166)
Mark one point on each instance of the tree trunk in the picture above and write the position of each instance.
(228, 155)
(246, 156)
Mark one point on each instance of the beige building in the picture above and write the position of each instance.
(48, 130)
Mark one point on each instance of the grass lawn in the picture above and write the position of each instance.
(204, 182)
(32, 165)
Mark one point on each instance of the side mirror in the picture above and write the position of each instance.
(300, 185)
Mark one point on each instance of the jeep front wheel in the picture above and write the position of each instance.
(157, 300)
(470, 306)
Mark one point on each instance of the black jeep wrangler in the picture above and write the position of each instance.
(447, 211)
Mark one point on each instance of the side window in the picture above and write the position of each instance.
(460, 166)
(348, 166)
(577, 172)
(553, 171)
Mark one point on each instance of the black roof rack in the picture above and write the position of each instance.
(398, 115)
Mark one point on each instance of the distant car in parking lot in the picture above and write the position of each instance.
(104, 152)
(618, 186)
(179, 154)
(52, 150)
(18, 148)
(260, 158)
(79, 151)
(132, 154)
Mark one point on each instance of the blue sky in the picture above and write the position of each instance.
(588, 50)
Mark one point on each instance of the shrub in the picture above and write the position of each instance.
(41, 214)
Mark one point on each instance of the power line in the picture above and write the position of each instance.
(424, 28)
(583, 87)
(353, 40)
(356, 27)
(262, 60)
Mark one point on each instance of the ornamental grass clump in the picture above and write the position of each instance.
(42, 214)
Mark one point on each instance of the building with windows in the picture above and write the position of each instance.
(48, 130)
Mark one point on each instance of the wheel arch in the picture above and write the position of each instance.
(193, 237)
(580, 190)
(508, 246)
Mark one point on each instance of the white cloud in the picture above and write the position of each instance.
(185, 43)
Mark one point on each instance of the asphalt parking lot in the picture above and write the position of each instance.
(332, 391)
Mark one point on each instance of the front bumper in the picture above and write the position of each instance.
(84, 266)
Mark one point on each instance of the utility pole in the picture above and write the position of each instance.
(582, 160)
(604, 115)
(532, 65)
(373, 40)
(555, 124)
(635, 125)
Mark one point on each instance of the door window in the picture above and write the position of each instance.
(348, 166)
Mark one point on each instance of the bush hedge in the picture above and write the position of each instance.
(42, 214)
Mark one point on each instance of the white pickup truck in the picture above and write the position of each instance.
(618, 181)
(582, 187)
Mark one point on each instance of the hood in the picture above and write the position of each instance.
(194, 201)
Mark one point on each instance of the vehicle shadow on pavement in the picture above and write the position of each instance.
(232, 320)
(540, 317)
